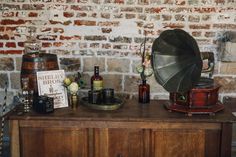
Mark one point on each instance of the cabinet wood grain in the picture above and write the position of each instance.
(135, 130)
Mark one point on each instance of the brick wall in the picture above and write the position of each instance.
(109, 33)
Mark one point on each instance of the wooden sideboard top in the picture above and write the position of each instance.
(130, 111)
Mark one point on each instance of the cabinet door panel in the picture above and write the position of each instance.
(178, 143)
(119, 142)
(53, 142)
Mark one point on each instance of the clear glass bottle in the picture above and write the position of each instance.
(96, 80)
(32, 44)
(144, 92)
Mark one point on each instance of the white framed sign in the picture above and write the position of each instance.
(50, 83)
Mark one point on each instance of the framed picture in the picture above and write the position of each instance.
(50, 83)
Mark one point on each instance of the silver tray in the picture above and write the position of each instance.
(106, 107)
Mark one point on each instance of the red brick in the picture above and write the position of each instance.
(95, 38)
(85, 23)
(8, 14)
(149, 32)
(105, 15)
(33, 14)
(20, 44)
(226, 9)
(81, 14)
(60, 1)
(48, 37)
(119, 1)
(205, 10)
(62, 37)
(94, 45)
(2, 29)
(210, 34)
(197, 34)
(106, 46)
(12, 22)
(10, 28)
(68, 14)
(180, 2)
(130, 16)
(194, 18)
(4, 37)
(173, 25)
(75, 37)
(33, 6)
(166, 17)
(11, 51)
(203, 41)
(224, 26)
(220, 1)
(55, 22)
(1, 44)
(180, 17)
(168, 1)
(155, 10)
(93, 15)
(206, 17)
(58, 44)
(76, 7)
(180, 10)
(106, 30)
(109, 23)
(58, 30)
(10, 44)
(200, 26)
(59, 22)
(132, 9)
(145, 2)
(46, 29)
(149, 26)
(66, 23)
(46, 44)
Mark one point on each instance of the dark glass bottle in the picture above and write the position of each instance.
(144, 92)
(96, 80)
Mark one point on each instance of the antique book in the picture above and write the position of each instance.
(50, 83)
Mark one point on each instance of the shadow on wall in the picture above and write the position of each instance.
(227, 46)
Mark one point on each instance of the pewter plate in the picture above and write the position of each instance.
(106, 107)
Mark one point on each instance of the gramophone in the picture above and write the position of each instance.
(178, 65)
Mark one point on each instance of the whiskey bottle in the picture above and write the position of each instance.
(32, 45)
(144, 92)
(96, 80)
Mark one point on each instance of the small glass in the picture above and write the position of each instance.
(108, 95)
(94, 97)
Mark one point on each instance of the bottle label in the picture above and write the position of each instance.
(97, 84)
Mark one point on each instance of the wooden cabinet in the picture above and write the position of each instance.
(50, 142)
(118, 142)
(133, 131)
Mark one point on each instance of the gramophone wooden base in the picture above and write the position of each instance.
(210, 110)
